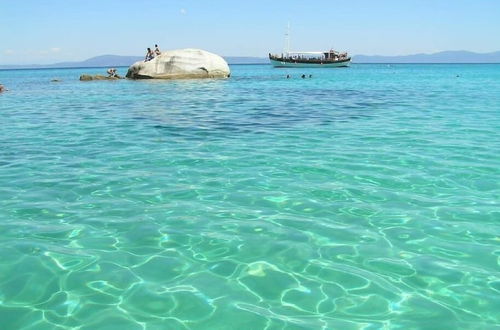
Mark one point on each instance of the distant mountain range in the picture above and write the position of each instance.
(441, 57)
(117, 60)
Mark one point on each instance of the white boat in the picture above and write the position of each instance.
(329, 59)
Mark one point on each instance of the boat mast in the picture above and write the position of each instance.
(287, 40)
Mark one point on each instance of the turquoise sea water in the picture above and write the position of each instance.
(361, 198)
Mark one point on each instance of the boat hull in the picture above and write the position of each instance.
(297, 64)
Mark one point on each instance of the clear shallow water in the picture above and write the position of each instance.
(361, 198)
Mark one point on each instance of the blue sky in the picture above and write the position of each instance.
(48, 31)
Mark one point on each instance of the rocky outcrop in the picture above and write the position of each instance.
(181, 64)
(88, 77)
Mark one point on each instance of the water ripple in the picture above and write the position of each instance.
(359, 198)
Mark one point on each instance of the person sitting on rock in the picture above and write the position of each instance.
(157, 50)
(149, 55)
(111, 72)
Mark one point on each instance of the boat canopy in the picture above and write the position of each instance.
(311, 53)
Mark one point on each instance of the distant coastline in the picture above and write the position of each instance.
(120, 61)
(450, 57)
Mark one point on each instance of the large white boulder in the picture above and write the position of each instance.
(181, 64)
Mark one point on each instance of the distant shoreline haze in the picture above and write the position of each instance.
(440, 57)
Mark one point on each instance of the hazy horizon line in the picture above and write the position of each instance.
(263, 57)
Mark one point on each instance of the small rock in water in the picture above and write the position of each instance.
(88, 77)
